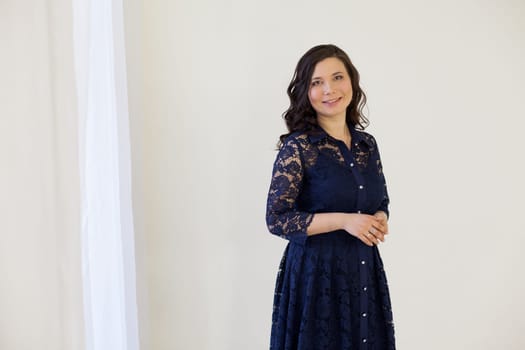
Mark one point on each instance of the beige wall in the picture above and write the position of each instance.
(40, 299)
(445, 87)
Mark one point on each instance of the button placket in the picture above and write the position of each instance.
(363, 250)
(363, 313)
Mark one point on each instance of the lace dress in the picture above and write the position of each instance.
(331, 291)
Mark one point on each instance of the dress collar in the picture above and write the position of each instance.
(320, 134)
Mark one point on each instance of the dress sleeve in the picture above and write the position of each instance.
(386, 199)
(282, 215)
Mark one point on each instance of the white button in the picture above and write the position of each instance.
(364, 340)
(351, 164)
(365, 289)
(363, 262)
(360, 187)
(359, 212)
(364, 314)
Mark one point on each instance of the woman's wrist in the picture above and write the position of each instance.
(381, 214)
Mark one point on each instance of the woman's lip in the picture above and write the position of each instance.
(334, 100)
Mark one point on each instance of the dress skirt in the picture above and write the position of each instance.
(332, 294)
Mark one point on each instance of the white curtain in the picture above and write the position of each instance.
(107, 222)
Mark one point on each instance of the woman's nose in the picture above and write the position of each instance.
(327, 88)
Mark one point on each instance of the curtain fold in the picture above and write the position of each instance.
(105, 171)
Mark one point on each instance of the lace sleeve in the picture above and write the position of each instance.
(282, 216)
(386, 198)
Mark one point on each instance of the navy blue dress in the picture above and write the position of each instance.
(331, 291)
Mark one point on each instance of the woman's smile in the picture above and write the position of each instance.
(332, 102)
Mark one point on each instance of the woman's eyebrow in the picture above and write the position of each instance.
(313, 78)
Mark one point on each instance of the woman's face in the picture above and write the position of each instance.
(330, 90)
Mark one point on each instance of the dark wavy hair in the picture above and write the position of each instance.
(301, 116)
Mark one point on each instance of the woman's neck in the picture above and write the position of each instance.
(336, 128)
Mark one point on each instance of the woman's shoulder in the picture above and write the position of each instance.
(296, 139)
(365, 136)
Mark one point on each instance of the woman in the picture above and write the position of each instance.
(328, 197)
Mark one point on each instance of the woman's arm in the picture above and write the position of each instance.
(368, 228)
(283, 218)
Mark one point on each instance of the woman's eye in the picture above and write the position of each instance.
(339, 77)
(315, 82)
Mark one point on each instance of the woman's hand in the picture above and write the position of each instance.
(370, 229)
(383, 219)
